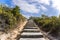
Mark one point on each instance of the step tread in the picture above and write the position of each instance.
(31, 33)
(32, 38)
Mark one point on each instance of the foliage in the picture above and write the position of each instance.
(48, 24)
(10, 17)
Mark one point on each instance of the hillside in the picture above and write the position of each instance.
(10, 17)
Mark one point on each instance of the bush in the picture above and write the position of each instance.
(49, 24)
(10, 17)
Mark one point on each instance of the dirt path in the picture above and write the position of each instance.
(12, 34)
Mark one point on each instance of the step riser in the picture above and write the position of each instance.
(31, 36)
(30, 28)
(31, 31)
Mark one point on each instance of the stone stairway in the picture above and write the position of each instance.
(31, 32)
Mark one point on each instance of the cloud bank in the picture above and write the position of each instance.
(35, 6)
(25, 6)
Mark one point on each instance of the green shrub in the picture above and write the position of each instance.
(11, 17)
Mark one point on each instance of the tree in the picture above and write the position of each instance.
(16, 11)
(11, 17)
(48, 24)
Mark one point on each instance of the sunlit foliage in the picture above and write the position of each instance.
(10, 17)
(48, 24)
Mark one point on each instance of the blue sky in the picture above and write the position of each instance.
(35, 7)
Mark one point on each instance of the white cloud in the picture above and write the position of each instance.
(26, 7)
(56, 4)
(30, 7)
(27, 16)
(43, 1)
(43, 8)
(23, 4)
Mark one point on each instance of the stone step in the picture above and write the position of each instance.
(30, 26)
(32, 33)
(32, 39)
(31, 29)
